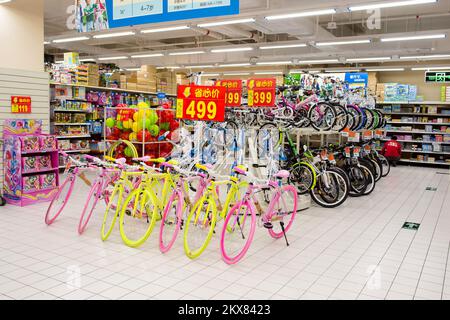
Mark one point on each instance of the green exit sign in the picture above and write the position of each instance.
(440, 77)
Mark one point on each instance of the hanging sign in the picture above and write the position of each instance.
(234, 92)
(201, 103)
(20, 104)
(439, 77)
(103, 14)
(261, 92)
(356, 80)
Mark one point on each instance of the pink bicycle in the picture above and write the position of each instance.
(104, 181)
(240, 224)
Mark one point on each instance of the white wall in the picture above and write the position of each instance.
(22, 35)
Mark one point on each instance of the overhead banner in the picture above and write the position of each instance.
(437, 77)
(234, 92)
(261, 92)
(98, 15)
(201, 103)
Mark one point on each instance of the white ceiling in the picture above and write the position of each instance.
(404, 21)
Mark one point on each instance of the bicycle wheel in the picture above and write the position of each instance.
(385, 165)
(113, 209)
(331, 190)
(303, 177)
(237, 232)
(60, 199)
(341, 118)
(358, 181)
(199, 227)
(355, 115)
(137, 224)
(282, 211)
(171, 221)
(322, 116)
(370, 180)
(91, 202)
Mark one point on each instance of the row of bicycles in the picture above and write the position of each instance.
(152, 191)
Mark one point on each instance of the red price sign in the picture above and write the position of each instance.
(20, 104)
(201, 103)
(234, 92)
(261, 92)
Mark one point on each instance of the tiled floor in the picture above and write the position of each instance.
(357, 251)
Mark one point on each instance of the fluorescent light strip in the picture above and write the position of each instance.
(320, 61)
(113, 35)
(4, 1)
(385, 69)
(87, 60)
(430, 68)
(186, 53)
(200, 67)
(273, 63)
(368, 59)
(301, 14)
(47, 42)
(59, 62)
(237, 74)
(424, 37)
(210, 75)
(132, 69)
(172, 67)
(269, 72)
(149, 55)
(71, 39)
(431, 56)
(390, 4)
(343, 70)
(339, 43)
(113, 58)
(281, 46)
(231, 50)
(224, 23)
(165, 29)
(234, 65)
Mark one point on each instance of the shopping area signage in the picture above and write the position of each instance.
(261, 92)
(201, 103)
(20, 104)
(97, 15)
(233, 96)
(357, 80)
(439, 77)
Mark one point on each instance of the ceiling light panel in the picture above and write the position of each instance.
(385, 69)
(426, 57)
(339, 43)
(149, 55)
(200, 67)
(368, 59)
(284, 46)
(114, 35)
(168, 29)
(390, 4)
(301, 14)
(269, 73)
(232, 50)
(185, 53)
(224, 23)
(273, 63)
(414, 38)
(71, 39)
(237, 74)
(430, 68)
(113, 58)
(245, 64)
(320, 61)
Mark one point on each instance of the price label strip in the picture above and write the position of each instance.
(261, 92)
(356, 152)
(201, 103)
(347, 152)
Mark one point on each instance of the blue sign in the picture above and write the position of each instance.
(161, 95)
(357, 80)
(123, 13)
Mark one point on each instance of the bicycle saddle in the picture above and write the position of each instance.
(283, 174)
(204, 167)
(240, 170)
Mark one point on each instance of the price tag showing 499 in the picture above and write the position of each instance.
(201, 103)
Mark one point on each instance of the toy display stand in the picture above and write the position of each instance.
(30, 163)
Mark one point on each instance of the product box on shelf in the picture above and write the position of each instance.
(44, 162)
(30, 183)
(48, 181)
(30, 143)
(71, 58)
(29, 164)
(48, 143)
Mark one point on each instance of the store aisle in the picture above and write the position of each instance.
(357, 251)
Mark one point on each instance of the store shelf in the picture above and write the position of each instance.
(39, 171)
(72, 124)
(421, 123)
(77, 151)
(418, 132)
(38, 152)
(69, 99)
(72, 111)
(425, 162)
(418, 141)
(417, 114)
(73, 137)
(110, 89)
(433, 103)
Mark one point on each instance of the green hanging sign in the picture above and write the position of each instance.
(437, 77)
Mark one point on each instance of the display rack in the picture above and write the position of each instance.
(31, 163)
(423, 128)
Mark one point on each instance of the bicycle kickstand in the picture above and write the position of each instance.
(284, 232)
(242, 232)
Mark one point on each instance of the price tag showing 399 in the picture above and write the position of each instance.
(201, 103)
(261, 92)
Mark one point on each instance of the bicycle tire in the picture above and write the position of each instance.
(303, 177)
(328, 117)
(89, 207)
(53, 210)
(339, 200)
(176, 197)
(116, 209)
(293, 193)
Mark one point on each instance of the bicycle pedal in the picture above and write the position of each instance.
(128, 212)
(268, 225)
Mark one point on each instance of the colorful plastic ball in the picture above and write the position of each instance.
(153, 117)
(135, 127)
(143, 105)
(110, 122)
(128, 152)
(128, 124)
(119, 125)
(154, 130)
(132, 136)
